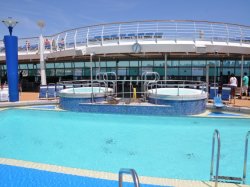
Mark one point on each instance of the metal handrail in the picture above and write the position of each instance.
(215, 135)
(159, 30)
(245, 158)
(132, 172)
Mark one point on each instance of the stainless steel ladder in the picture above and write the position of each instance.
(218, 178)
(132, 172)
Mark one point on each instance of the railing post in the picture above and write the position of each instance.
(75, 39)
(102, 35)
(245, 159)
(217, 135)
(119, 34)
(87, 37)
(131, 172)
(65, 41)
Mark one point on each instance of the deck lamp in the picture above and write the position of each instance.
(11, 56)
(10, 24)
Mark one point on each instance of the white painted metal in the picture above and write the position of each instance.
(42, 62)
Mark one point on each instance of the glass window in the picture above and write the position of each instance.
(238, 72)
(77, 72)
(198, 71)
(161, 71)
(199, 63)
(133, 71)
(173, 63)
(102, 64)
(185, 72)
(49, 65)
(23, 66)
(146, 69)
(102, 69)
(87, 64)
(122, 72)
(212, 62)
(86, 72)
(123, 64)
(133, 63)
(229, 63)
(246, 64)
(79, 64)
(147, 63)
(111, 63)
(160, 63)
(59, 65)
(213, 71)
(59, 72)
(228, 71)
(50, 72)
(172, 71)
(68, 72)
(185, 63)
(95, 70)
(68, 64)
(30, 66)
(32, 72)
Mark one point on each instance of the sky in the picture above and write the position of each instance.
(61, 15)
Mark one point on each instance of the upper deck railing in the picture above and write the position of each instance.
(164, 30)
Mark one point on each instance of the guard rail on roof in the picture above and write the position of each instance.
(139, 30)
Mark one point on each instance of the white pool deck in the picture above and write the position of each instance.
(114, 176)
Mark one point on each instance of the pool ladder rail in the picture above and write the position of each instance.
(131, 172)
(217, 178)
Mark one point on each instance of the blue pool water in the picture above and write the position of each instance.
(172, 147)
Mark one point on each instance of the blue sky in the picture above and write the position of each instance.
(60, 15)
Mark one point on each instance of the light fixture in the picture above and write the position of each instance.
(10, 23)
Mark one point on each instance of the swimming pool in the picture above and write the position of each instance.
(176, 147)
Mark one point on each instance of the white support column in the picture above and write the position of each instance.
(166, 56)
(241, 74)
(42, 62)
(207, 77)
(91, 76)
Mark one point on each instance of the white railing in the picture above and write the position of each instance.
(139, 30)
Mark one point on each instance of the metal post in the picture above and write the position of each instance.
(91, 77)
(245, 159)
(42, 62)
(215, 135)
(241, 74)
(166, 56)
(207, 77)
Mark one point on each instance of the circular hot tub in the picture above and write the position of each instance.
(69, 99)
(184, 100)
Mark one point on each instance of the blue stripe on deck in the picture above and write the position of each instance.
(13, 176)
(221, 114)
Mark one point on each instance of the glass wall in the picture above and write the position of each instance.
(176, 69)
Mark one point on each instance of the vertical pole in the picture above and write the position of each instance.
(91, 77)
(166, 66)
(42, 62)
(207, 77)
(11, 53)
(241, 74)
